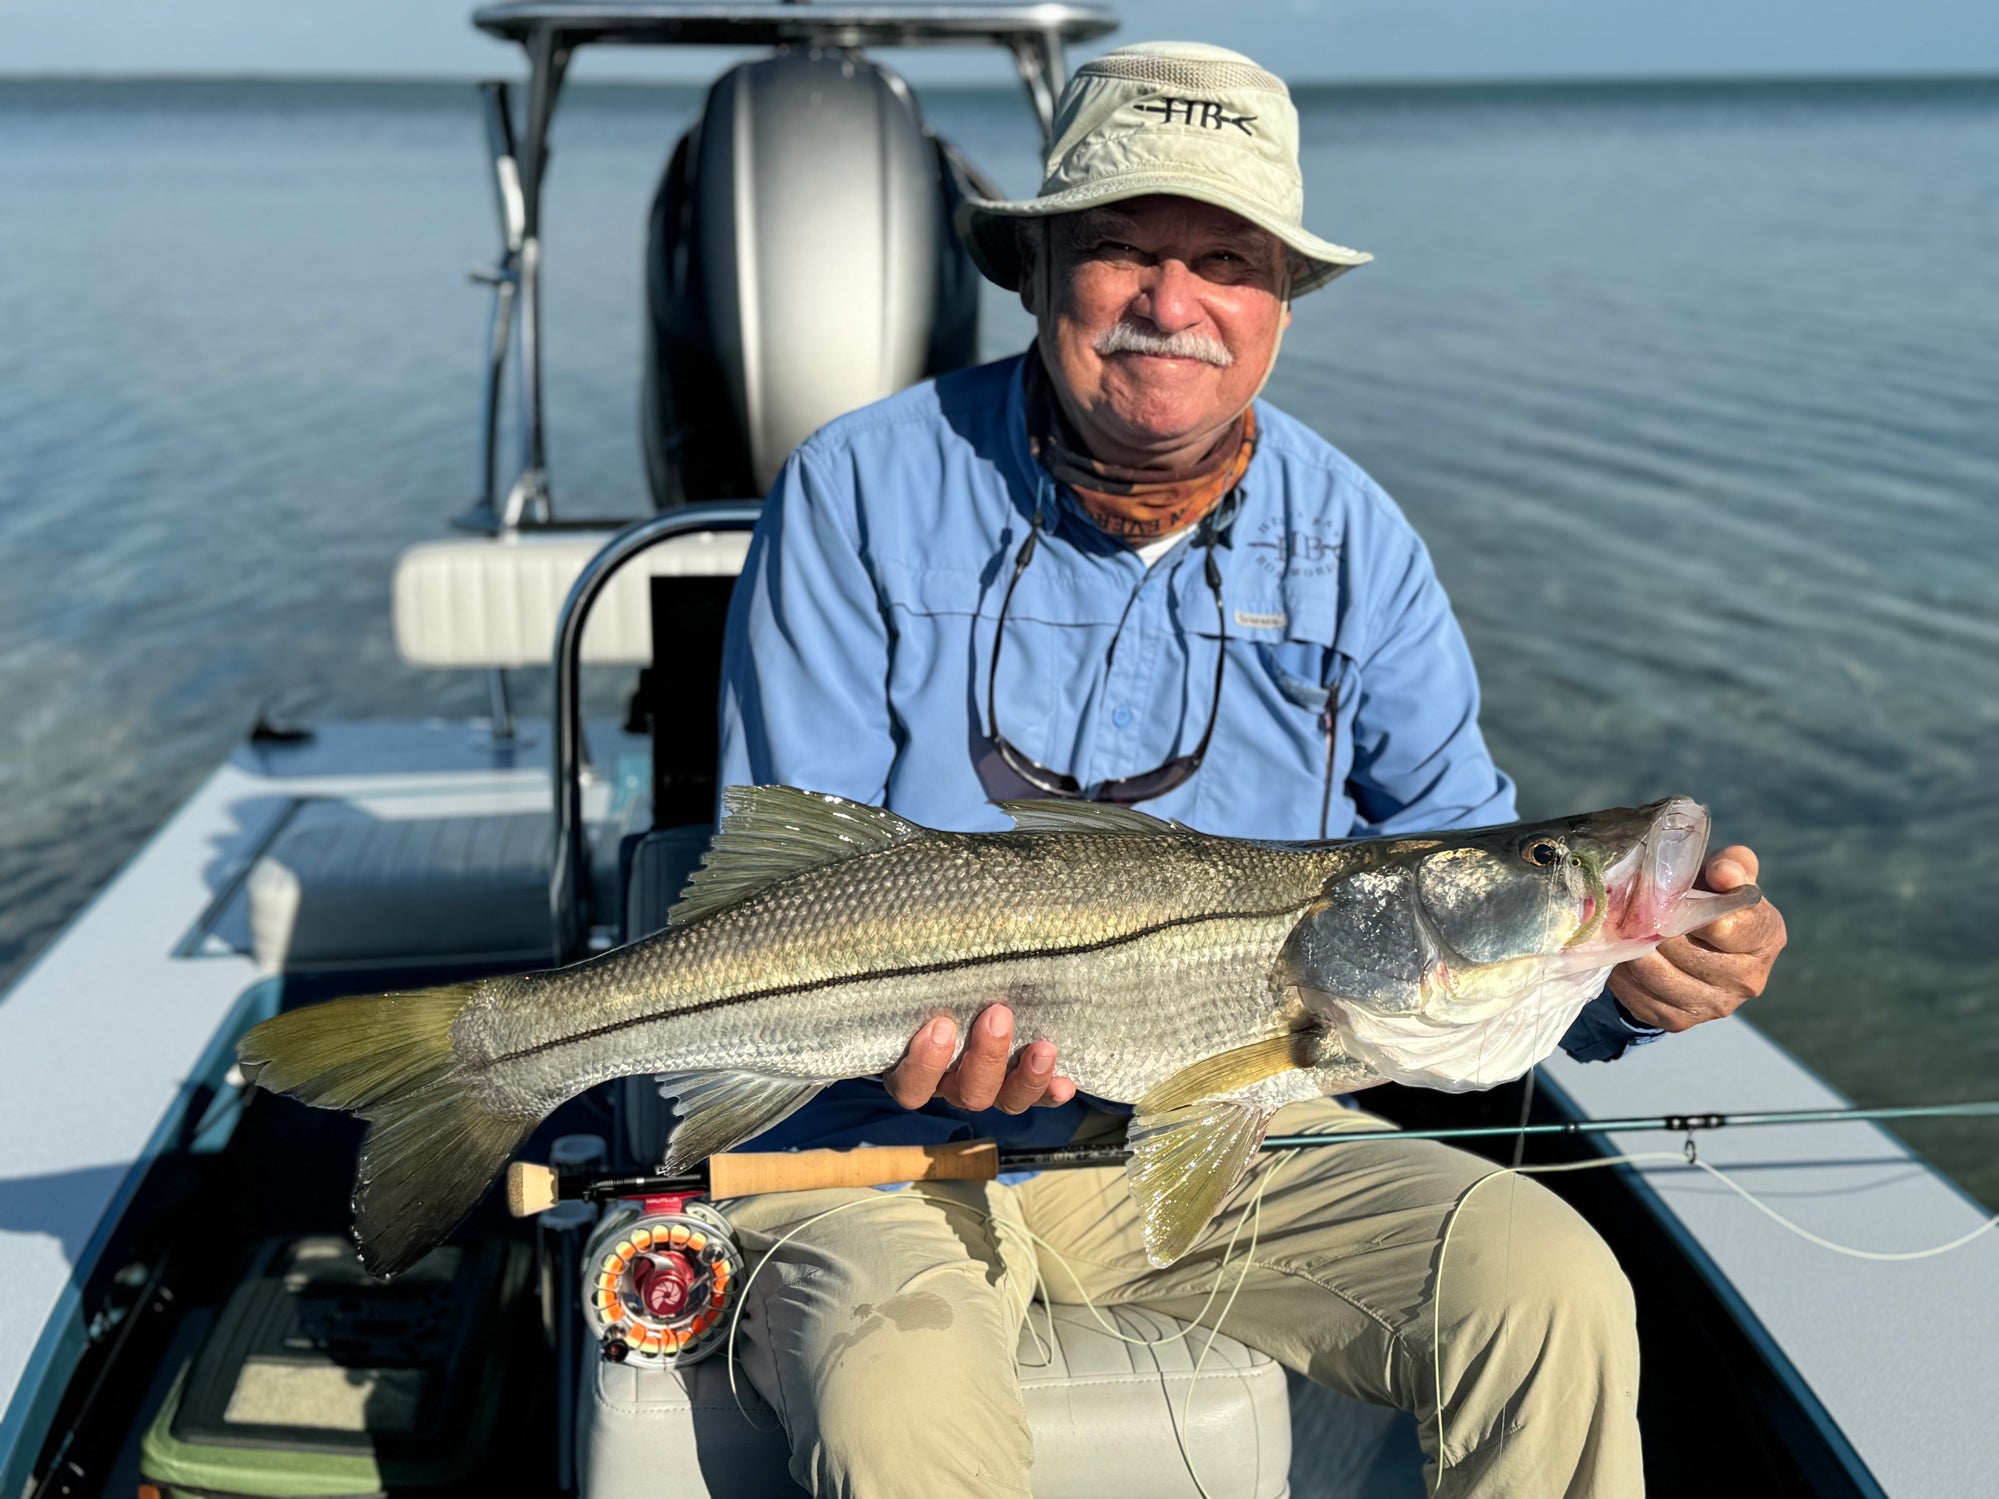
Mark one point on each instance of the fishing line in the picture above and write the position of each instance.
(1519, 1154)
(1248, 1261)
(1070, 1157)
(1677, 1158)
(1288, 1145)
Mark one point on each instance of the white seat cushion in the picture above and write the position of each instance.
(341, 887)
(1104, 1414)
(493, 601)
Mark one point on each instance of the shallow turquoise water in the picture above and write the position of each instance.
(1693, 391)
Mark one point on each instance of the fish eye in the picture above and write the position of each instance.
(1541, 851)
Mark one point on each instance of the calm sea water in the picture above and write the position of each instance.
(1694, 391)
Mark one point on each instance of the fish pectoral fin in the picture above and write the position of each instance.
(721, 1109)
(1233, 1070)
(1442, 964)
(1184, 1161)
(770, 833)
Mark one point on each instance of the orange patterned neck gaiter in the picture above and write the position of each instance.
(1132, 504)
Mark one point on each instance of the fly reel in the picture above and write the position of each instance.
(657, 1280)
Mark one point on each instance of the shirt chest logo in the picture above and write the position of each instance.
(1279, 550)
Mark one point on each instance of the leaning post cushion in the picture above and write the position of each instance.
(492, 602)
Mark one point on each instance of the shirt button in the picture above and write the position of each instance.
(1121, 717)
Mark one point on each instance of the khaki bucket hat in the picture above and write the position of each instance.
(1180, 118)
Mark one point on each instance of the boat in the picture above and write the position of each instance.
(179, 1310)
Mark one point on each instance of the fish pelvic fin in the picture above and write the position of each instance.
(433, 1146)
(1233, 1071)
(721, 1109)
(770, 833)
(1184, 1161)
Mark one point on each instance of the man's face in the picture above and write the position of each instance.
(1162, 268)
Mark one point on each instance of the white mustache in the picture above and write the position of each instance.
(1125, 338)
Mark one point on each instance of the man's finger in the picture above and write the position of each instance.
(982, 1069)
(913, 1081)
(1653, 992)
(1760, 929)
(1028, 1081)
(1682, 984)
(1734, 974)
(1060, 1091)
(1731, 867)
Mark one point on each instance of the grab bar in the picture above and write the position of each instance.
(569, 891)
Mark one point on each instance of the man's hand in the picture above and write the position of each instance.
(1711, 970)
(982, 1079)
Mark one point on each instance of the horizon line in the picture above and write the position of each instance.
(1520, 80)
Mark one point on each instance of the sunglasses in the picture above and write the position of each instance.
(1125, 790)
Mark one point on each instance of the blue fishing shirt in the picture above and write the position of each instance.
(861, 636)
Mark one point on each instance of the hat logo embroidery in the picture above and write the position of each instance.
(1207, 114)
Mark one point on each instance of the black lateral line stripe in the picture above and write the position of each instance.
(913, 970)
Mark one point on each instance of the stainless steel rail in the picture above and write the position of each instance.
(549, 32)
(504, 276)
(757, 23)
(569, 893)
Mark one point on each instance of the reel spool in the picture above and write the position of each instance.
(657, 1278)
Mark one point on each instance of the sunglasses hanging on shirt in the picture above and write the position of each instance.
(1124, 790)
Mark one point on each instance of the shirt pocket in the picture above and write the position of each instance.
(1292, 653)
(1295, 667)
(1279, 744)
(946, 627)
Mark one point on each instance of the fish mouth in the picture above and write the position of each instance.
(1650, 892)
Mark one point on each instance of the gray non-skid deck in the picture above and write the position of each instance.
(107, 1038)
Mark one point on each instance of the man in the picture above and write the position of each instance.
(1103, 569)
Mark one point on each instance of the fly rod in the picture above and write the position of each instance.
(533, 1188)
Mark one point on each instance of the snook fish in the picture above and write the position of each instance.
(1206, 980)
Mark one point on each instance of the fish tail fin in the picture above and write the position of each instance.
(433, 1145)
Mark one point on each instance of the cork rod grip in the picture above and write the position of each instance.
(869, 1166)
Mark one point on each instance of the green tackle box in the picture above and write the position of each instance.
(318, 1380)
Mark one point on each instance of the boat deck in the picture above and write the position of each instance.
(115, 1044)
(1894, 1360)
(118, 1042)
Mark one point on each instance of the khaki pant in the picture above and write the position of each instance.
(884, 1335)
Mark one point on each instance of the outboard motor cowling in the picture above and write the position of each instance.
(801, 263)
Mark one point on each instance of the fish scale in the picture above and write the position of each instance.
(977, 919)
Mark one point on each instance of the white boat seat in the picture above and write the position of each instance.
(341, 887)
(1106, 1417)
(493, 601)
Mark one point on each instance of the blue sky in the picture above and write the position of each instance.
(1304, 39)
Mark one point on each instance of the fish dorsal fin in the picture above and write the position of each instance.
(1231, 1071)
(1184, 1161)
(770, 833)
(1082, 817)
